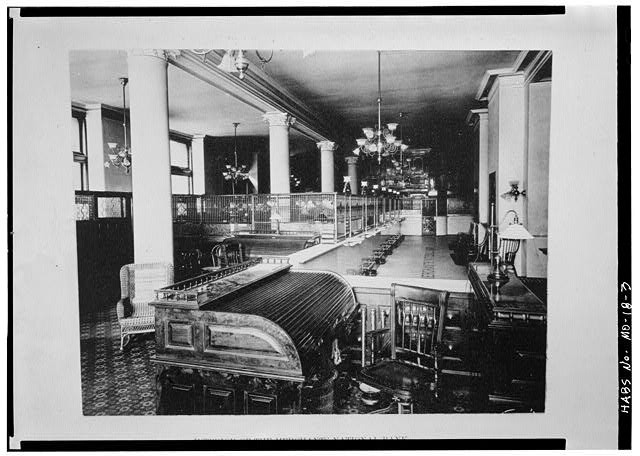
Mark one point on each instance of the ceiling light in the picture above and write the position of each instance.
(234, 173)
(234, 61)
(120, 155)
(380, 140)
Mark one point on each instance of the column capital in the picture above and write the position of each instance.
(159, 53)
(198, 136)
(351, 161)
(326, 145)
(278, 119)
(93, 106)
(511, 79)
(476, 115)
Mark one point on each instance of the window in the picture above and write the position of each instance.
(181, 172)
(180, 185)
(78, 149)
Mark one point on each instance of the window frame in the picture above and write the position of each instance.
(80, 157)
(187, 171)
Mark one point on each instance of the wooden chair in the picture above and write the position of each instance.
(189, 263)
(137, 285)
(480, 248)
(508, 249)
(410, 374)
(469, 247)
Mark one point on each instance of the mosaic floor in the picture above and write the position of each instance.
(115, 382)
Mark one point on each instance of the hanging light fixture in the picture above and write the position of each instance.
(234, 173)
(120, 156)
(294, 181)
(235, 61)
(379, 141)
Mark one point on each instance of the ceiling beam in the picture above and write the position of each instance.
(256, 90)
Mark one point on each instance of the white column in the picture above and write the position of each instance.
(197, 163)
(510, 153)
(279, 123)
(481, 126)
(44, 265)
(95, 147)
(352, 170)
(327, 183)
(151, 164)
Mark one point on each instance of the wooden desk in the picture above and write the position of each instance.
(516, 323)
(249, 339)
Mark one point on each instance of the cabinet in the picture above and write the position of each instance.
(187, 391)
(515, 322)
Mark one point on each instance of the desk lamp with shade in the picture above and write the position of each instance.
(512, 236)
(504, 244)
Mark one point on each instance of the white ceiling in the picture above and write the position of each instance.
(433, 87)
(194, 106)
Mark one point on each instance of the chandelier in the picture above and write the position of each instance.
(234, 173)
(234, 61)
(381, 140)
(120, 156)
(294, 181)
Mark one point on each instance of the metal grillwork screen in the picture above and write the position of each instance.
(332, 215)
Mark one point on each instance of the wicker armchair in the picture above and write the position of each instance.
(137, 285)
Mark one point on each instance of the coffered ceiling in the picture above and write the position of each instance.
(435, 89)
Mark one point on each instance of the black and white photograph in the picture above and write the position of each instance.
(219, 217)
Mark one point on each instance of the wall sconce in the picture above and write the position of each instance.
(514, 192)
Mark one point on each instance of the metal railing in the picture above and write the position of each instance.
(331, 215)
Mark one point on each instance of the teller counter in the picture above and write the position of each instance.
(250, 339)
(516, 324)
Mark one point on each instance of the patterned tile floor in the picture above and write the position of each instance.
(115, 382)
